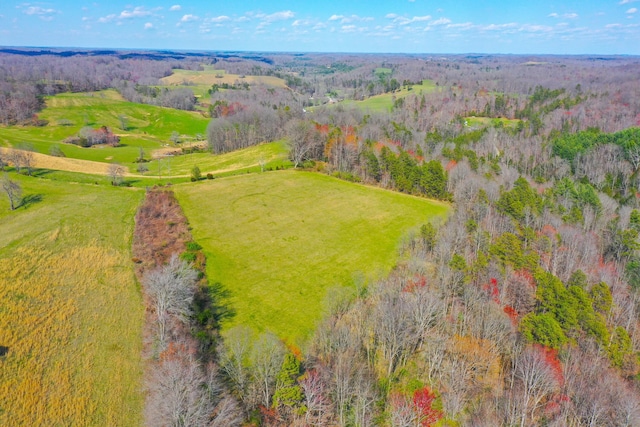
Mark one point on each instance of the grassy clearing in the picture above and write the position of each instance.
(279, 241)
(148, 127)
(70, 311)
(210, 76)
(383, 72)
(248, 159)
(489, 121)
(384, 102)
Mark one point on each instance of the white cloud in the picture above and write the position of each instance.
(278, 16)
(108, 18)
(406, 21)
(463, 26)
(136, 12)
(528, 28)
(499, 27)
(175, 8)
(46, 14)
(148, 26)
(189, 18)
(300, 22)
(349, 19)
(566, 15)
(441, 21)
(37, 10)
(391, 15)
(627, 1)
(219, 19)
(631, 11)
(348, 28)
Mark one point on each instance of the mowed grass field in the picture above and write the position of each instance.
(246, 160)
(71, 313)
(148, 127)
(280, 241)
(384, 102)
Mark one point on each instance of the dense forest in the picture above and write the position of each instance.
(523, 308)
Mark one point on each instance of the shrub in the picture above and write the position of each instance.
(209, 176)
(56, 151)
(193, 246)
(195, 174)
(189, 257)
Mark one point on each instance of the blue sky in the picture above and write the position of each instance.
(402, 26)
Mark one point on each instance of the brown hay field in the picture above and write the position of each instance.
(44, 161)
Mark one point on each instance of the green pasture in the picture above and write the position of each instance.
(384, 102)
(148, 127)
(382, 71)
(273, 154)
(71, 313)
(281, 242)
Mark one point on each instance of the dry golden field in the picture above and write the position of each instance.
(70, 310)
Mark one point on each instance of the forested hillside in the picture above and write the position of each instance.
(522, 308)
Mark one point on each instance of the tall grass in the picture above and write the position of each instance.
(70, 311)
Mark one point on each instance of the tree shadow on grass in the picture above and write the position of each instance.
(31, 199)
(40, 172)
(211, 306)
(222, 309)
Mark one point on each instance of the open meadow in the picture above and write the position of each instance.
(71, 312)
(384, 102)
(199, 79)
(283, 242)
(147, 126)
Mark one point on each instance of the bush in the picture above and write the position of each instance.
(209, 176)
(189, 257)
(56, 151)
(195, 174)
(193, 246)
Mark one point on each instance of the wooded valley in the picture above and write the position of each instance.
(325, 239)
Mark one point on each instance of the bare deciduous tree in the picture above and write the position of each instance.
(303, 140)
(171, 289)
(266, 360)
(13, 191)
(233, 356)
(116, 173)
(26, 155)
(181, 394)
(316, 399)
(537, 380)
(17, 157)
